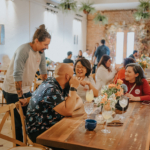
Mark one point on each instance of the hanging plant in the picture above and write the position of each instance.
(144, 6)
(67, 5)
(100, 19)
(140, 15)
(87, 8)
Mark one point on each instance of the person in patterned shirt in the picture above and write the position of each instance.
(54, 99)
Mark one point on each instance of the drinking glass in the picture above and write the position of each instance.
(89, 95)
(123, 103)
(88, 107)
(106, 113)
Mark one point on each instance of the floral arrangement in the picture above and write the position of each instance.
(110, 95)
(143, 61)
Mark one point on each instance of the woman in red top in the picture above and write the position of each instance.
(138, 87)
(121, 72)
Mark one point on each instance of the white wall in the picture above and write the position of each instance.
(21, 18)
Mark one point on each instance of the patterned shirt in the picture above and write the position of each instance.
(40, 112)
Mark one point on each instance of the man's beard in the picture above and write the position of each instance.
(42, 52)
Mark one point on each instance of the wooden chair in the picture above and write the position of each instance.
(71, 64)
(36, 81)
(9, 109)
(1, 81)
(93, 76)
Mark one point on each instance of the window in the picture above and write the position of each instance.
(119, 47)
(130, 43)
(124, 45)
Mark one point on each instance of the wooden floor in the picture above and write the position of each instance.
(5, 145)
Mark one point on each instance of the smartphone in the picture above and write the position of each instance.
(146, 102)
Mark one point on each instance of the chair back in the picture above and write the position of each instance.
(93, 76)
(71, 64)
(9, 110)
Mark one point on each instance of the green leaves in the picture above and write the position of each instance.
(100, 19)
(68, 5)
(87, 7)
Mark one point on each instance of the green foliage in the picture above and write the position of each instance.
(100, 19)
(67, 5)
(140, 15)
(87, 7)
(144, 5)
(143, 11)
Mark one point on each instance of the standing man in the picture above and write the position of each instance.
(21, 72)
(68, 59)
(101, 50)
(134, 55)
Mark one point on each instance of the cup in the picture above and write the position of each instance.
(90, 124)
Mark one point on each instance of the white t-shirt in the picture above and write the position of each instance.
(81, 90)
(104, 77)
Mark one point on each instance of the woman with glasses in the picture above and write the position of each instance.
(138, 87)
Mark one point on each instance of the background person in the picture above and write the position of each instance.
(104, 74)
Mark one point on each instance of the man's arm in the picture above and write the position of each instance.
(44, 76)
(42, 67)
(18, 85)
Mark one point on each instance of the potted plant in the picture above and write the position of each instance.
(144, 6)
(66, 5)
(87, 8)
(101, 19)
(140, 15)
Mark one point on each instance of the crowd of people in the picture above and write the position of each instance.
(60, 95)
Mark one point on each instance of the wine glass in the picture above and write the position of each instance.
(88, 107)
(106, 113)
(123, 103)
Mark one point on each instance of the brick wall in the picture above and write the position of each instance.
(97, 32)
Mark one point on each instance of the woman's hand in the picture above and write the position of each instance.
(132, 98)
(83, 83)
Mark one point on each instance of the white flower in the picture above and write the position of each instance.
(98, 100)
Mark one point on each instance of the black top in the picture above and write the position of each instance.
(101, 50)
(67, 61)
(40, 113)
(131, 56)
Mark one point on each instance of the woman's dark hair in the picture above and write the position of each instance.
(41, 34)
(137, 69)
(103, 61)
(128, 61)
(84, 63)
(80, 51)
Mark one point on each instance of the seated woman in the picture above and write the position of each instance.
(83, 70)
(104, 74)
(138, 87)
(79, 55)
(121, 72)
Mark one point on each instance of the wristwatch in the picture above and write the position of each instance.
(72, 89)
(21, 97)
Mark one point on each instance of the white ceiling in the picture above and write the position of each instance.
(108, 4)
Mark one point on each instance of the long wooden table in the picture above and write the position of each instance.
(70, 132)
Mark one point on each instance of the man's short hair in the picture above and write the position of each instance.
(135, 51)
(103, 42)
(69, 53)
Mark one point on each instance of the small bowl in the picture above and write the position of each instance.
(90, 124)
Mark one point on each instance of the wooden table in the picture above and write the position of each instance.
(70, 133)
